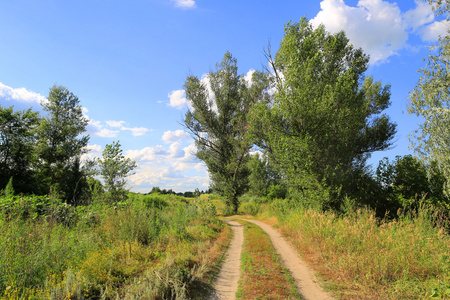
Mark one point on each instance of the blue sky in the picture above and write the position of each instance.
(127, 62)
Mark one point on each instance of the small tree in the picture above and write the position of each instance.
(114, 168)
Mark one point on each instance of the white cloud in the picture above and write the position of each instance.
(172, 136)
(377, 26)
(186, 4)
(95, 128)
(174, 168)
(136, 131)
(175, 150)
(115, 123)
(148, 153)
(431, 32)
(20, 94)
(420, 15)
(248, 76)
(177, 99)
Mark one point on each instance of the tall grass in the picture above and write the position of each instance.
(365, 258)
(150, 247)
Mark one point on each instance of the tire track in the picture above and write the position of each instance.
(226, 284)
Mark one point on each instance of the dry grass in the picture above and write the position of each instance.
(363, 258)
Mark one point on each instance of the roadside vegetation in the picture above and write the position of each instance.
(360, 256)
(148, 247)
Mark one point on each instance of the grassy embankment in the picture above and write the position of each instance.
(151, 247)
(360, 257)
(262, 275)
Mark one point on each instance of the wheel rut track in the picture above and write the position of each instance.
(227, 280)
(226, 284)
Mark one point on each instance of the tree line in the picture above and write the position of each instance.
(42, 154)
(315, 117)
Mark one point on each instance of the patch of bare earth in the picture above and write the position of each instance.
(226, 284)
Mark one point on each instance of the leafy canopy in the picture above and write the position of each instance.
(326, 116)
(218, 123)
(430, 99)
(114, 169)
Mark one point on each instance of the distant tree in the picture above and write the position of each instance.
(326, 115)
(155, 189)
(60, 137)
(114, 169)
(219, 124)
(430, 99)
(17, 141)
(188, 194)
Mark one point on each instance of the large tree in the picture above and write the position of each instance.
(326, 117)
(218, 123)
(17, 140)
(430, 99)
(60, 138)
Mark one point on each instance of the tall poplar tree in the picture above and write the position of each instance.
(219, 124)
(326, 117)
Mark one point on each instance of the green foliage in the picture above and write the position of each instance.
(263, 178)
(9, 189)
(154, 202)
(133, 251)
(219, 124)
(407, 179)
(60, 140)
(276, 191)
(326, 115)
(114, 168)
(430, 99)
(17, 140)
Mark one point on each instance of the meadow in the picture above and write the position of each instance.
(148, 247)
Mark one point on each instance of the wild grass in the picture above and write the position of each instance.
(361, 257)
(263, 277)
(147, 248)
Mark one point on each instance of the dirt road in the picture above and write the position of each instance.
(304, 277)
(227, 282)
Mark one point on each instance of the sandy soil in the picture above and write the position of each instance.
(306, 281)
(226, 283)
